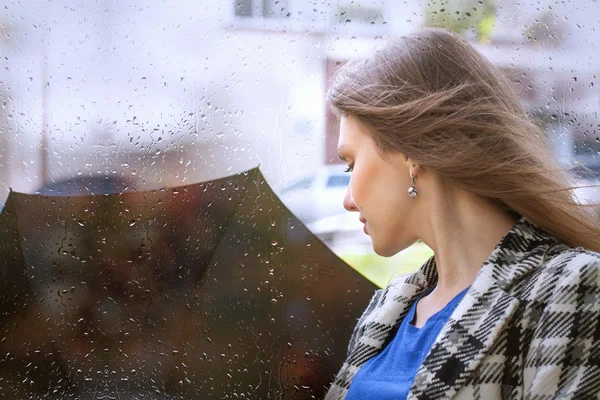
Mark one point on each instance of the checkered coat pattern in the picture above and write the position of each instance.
(527, 328)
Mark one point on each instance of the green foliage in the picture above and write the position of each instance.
(463, 15)
(380, 270)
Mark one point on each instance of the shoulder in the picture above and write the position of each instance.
(566, 273)
(568, 262)
(562, 357)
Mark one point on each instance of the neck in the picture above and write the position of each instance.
(462, 235)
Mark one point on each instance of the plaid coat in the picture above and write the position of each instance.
(528, 327)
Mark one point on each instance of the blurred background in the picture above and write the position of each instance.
(133, 95)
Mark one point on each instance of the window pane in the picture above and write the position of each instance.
(134, 277)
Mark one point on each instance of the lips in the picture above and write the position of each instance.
(364, 221)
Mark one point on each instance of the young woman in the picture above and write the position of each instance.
(508, 307)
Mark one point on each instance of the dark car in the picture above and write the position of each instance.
(87, 185)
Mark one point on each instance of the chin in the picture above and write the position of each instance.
(384, 251)
(389, 249)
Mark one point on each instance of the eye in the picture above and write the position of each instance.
(349, 169)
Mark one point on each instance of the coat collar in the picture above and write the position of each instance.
(479, 318)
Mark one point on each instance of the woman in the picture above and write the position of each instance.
(508, 306)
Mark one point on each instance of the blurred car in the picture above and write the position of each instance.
(84, 186)
(341, 230)
(87, 185)
(319, 195)
(587, 176)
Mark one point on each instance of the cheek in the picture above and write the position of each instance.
(389, 191)
(360, 185)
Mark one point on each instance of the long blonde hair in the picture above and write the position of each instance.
(431, 96)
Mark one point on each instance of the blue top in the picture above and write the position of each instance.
(390, 374)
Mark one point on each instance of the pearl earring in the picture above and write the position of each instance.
(412, 191)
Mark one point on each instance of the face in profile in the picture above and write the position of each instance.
(378, 189)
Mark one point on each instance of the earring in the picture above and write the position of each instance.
(412, 191)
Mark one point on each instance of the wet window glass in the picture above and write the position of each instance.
(172, 221)
(302, 185)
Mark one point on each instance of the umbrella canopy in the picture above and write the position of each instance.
(212, 290)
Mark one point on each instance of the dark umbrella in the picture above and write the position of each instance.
(212, 290)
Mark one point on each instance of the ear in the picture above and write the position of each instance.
(410, 164)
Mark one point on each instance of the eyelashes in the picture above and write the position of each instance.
(349, 169)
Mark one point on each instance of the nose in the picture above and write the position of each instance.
(349, 202)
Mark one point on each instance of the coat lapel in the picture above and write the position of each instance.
(378, 327)
(393, 305)
(482, 314)
(381, 320)
(464, 340)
